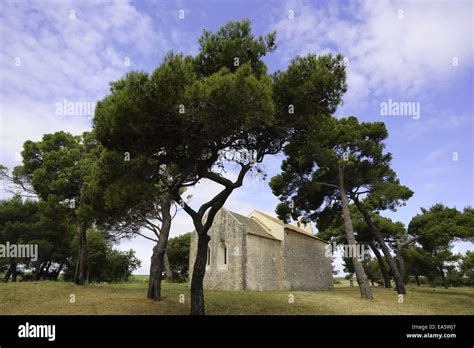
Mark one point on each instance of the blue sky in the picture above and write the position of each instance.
(416, 52)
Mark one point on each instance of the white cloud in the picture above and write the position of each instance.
(437, 154)
(386, 54)
(434, 120)
(432, 186)
(63, 58)
(29, 120)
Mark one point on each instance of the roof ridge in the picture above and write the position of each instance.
(290, 226)
(231, 213)
(247, 221)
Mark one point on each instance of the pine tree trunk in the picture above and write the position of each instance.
(58, 272)
(76, 273)
(40, 270)
(14, 273)
(46, 270)
(417, 279)
(9, 272)
(401, 261)
(156, 270)
(379, 238)
(364, 286)
(199, 270)
(82, 236)
(168, 271)
(383, 268)
(445, 284)
(157, 262)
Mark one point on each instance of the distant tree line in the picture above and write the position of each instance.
(178, 254)
(424, 250)
(37, 223)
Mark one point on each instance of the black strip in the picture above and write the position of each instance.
(293, 331)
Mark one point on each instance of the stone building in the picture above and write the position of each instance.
(260, 252)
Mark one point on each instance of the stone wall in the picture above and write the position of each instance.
(261, 262)
(307, 267)
(264, 269)
(225, 230)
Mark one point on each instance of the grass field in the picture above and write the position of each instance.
(48, 297)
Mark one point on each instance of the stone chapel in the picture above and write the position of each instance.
(260, 252)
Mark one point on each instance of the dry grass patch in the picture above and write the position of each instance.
(47, 297)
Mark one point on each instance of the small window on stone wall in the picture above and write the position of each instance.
(222, 256)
